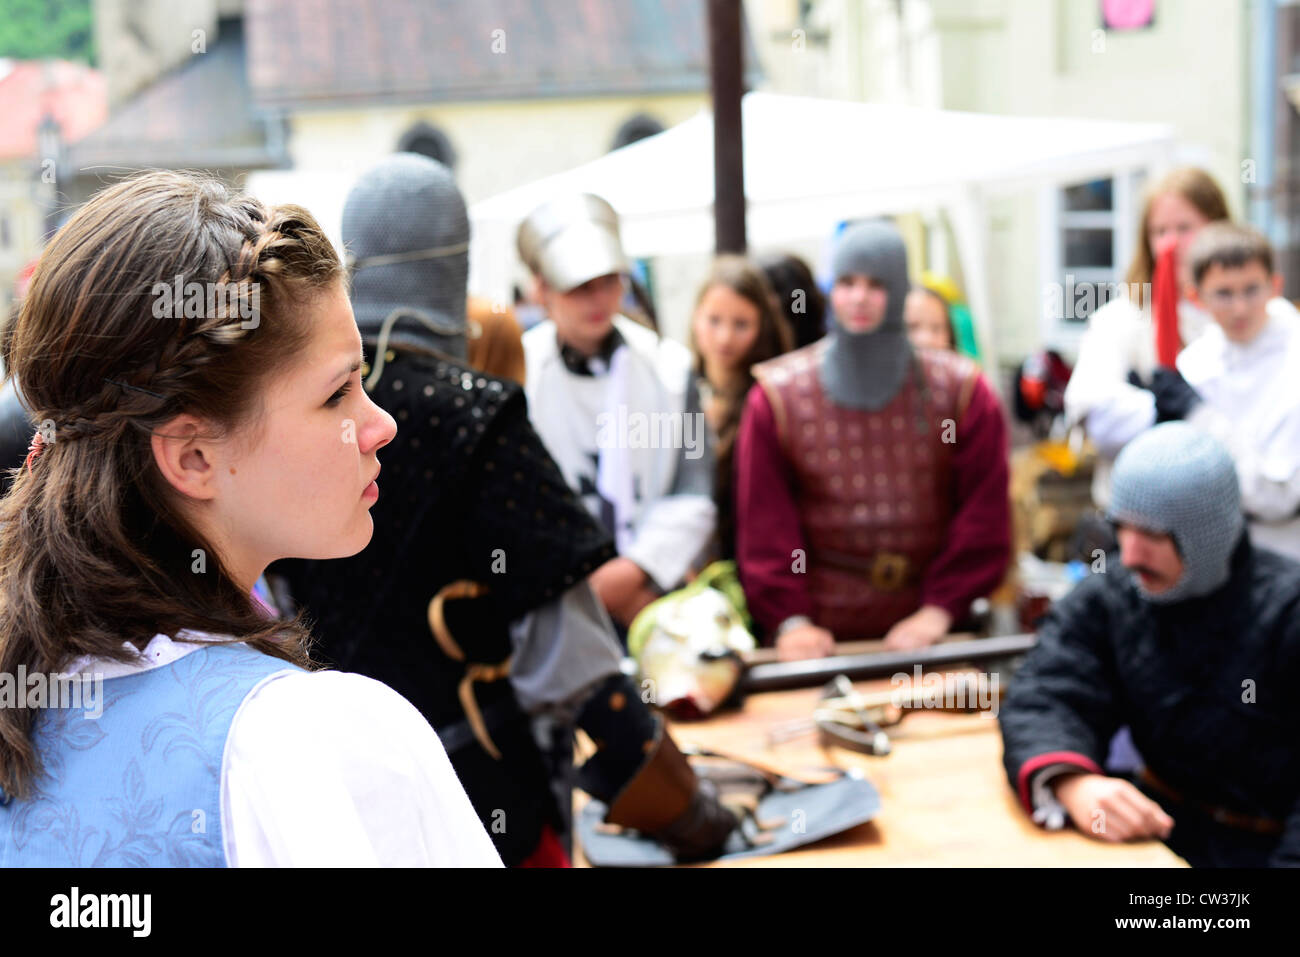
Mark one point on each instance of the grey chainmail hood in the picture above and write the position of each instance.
(406, 233)
(1180, 481)
(865, 370)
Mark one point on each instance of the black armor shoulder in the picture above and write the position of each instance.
(442, 403)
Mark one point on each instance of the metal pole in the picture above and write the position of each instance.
(726, 85)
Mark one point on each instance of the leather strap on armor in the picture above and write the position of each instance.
(474, 671)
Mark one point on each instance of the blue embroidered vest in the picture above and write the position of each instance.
(140, 785)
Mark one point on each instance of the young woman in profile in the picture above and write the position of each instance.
(185, 443)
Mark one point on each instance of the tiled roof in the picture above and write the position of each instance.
(198, 115)
(305, 53)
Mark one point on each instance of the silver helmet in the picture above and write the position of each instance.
(572, 239)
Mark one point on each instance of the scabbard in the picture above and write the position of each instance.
(780, 676)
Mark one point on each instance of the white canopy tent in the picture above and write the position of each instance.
(813, 163)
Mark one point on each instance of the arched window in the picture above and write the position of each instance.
(637, 128)
(428, 141)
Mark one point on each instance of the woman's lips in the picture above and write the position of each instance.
(371, 491)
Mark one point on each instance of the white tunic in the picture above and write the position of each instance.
(1251, 396)
(634, 436)
(329, 769)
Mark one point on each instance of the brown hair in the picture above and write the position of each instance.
(1192, 184)
(947, 312)
(1230, 246)
(794, 284)
(774, 338)
(94, 550)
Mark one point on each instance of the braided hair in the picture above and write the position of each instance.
(94, 548)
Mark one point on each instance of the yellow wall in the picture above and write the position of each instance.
(498, 144)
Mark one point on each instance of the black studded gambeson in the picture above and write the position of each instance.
(468, 491)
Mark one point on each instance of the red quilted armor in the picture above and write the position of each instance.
(874, 489)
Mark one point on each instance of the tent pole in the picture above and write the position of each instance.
(968, 216)
(725, 82)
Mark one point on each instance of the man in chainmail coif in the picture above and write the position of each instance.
(1190, 637)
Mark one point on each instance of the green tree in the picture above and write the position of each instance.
(31, 29)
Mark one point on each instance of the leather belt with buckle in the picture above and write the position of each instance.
(887, 571)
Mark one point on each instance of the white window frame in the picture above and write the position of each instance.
(1053, 219)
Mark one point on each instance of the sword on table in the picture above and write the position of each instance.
(853, 719)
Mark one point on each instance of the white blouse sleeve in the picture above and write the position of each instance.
(329, 769)
(1099, 393)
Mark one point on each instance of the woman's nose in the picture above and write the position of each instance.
(382, 427)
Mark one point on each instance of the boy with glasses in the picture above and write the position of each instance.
(1246, 372)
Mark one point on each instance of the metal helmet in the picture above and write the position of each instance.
(572, 239)
(406, 233)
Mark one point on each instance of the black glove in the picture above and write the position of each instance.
(1175, 399)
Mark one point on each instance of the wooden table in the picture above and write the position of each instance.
(945, 800)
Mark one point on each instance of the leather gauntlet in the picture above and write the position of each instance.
(665, 800)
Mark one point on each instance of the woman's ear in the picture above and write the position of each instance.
(187, 459)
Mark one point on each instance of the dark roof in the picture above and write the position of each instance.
(329, 53)
(198, 115)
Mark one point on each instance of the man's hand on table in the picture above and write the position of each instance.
(1111, 809)
(804, 641)
(920, 629)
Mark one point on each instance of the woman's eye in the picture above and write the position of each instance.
(337, 397)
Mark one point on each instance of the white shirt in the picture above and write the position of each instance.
(1251, 404)
(1121, 339)
(329, 769)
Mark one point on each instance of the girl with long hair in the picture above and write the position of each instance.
(736, 324)
(192, 361)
